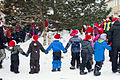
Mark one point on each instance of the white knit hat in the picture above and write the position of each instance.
(103, 36)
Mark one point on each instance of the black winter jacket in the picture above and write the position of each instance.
(87, 50)
(114, 34)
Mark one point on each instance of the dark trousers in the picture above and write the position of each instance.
(110, 55)
(1, 63)
(56, 63)
(14, 62)
(98, 65)
(114, 59)
(85, 62)
(34, 65)
(75, 57)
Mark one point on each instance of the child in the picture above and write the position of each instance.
(34, 48)
(75, 48)
(57, 46)
(15, 50)
(99, 48)
(86, 54)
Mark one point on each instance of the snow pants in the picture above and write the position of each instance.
(34, 65)
(56, 63)
(14, 62)
(75, 57)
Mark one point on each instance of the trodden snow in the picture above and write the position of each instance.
(46, 66)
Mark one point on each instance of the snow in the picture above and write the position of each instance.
(46, 66)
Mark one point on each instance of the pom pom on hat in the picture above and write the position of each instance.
(74, 32)
(12, 43)
(57, 36)
(87, 37)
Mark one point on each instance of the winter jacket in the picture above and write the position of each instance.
(16, 50)
(75, 44)
(2, 38)
(114, 34)
(35, 50)
(57, 46)
(99, 48)
(87, 49)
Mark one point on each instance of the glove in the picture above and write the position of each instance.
(46, 52)
(65, 51)
(27, 54)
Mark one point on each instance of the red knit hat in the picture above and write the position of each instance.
(12, 43)
(87, 37)
(100, 30)
(35, 37)
(74, 32)
(57, 36)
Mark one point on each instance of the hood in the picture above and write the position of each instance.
(100, 41)
(117, 23)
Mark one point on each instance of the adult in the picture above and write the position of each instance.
(2, 42)
(114, 38)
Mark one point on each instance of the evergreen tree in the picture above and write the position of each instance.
(74, 14)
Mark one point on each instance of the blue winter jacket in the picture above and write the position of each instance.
(99, 48)
(75, 44)
(57, 46)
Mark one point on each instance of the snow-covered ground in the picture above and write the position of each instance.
(46, 66)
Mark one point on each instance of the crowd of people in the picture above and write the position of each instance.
(98, 38)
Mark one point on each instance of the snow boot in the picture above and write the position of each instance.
(16, 72)
(59, 69)
(82, 72)
(53, 70)
(90, 70)
(32, 71)
(1, 66)
(96, 71)
(72, 67)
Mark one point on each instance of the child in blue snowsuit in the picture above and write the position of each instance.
(57, 46)
(99, 48)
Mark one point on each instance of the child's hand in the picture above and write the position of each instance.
(65, 51)
(46, 52)
(27, 54)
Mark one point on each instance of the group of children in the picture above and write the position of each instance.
(86, 51)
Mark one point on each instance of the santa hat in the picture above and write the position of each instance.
(1, 23)
(74, 32)
(35, 38)
(57, 36)
(12, 43)
(87, 37)
(100, 30)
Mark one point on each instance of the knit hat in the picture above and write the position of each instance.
(103, 36)
(74, 32)
(100, 30)
(12, 43)
(35, 37)
(57, 36)
(87, 37)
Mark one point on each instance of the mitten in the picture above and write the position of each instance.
(46, 52)
(27, 54)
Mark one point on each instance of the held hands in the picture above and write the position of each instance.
(27, 54)
(46, 52)
(65, 51)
